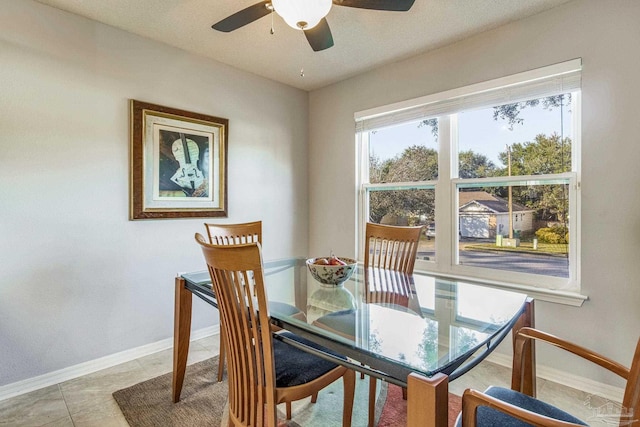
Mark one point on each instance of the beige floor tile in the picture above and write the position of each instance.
(589, 408)
(94, 390)
(37, 408)
(106, 415)
(211, 342)
(481, 377)
(157, 364)
(64, 422)
(162, 362)
(198, 353)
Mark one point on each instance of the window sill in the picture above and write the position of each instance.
(571, 298)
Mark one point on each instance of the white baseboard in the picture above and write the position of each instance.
(561, 377)
(66, 374)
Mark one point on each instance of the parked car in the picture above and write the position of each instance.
(430, 230)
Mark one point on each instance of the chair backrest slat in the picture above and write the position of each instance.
(234, 234)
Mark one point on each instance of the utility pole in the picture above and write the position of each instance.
(510, 193)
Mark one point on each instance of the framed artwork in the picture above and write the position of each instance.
(178, 163)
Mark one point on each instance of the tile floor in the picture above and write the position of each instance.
(87, 401)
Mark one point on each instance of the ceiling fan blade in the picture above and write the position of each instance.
(244, 17)
(392, 5)
(319, 37)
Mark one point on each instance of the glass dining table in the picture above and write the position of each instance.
(419, 331)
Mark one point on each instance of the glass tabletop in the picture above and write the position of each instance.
(393, 323)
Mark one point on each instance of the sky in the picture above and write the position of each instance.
(477, 131)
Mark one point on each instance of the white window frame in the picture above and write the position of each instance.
(558, 78)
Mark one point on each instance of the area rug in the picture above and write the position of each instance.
(394, 411)
(203, 401)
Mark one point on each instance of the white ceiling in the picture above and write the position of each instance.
(364, 39)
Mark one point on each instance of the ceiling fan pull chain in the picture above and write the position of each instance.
(272, 30)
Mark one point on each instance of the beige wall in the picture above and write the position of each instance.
(78, 280)
(606, 35)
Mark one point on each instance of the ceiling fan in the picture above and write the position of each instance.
(306, 15)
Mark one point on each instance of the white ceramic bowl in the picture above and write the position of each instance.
(331, 274)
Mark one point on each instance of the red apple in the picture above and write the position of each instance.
(336, 261)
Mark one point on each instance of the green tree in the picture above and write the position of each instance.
(416, 163)
(543, 155)
(474, 165)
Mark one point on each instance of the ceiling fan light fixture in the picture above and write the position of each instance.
(302, 14)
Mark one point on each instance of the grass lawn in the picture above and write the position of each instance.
(543, 248)
(557, 249)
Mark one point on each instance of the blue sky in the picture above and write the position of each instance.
(478, 131)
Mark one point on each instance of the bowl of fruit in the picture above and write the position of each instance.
(331, 270)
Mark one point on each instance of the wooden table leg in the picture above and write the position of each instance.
(181, 335)
(427, 400)
(528, 384)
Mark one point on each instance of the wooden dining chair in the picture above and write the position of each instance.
(389, 249)
(518, 407)
(263, 371)
(232, 234)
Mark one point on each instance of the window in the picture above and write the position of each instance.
(491, 171)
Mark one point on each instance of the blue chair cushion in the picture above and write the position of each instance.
(295, 366)
(492, 417)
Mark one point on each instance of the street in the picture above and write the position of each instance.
(545, 265)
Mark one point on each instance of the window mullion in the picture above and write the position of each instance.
(444, 203)
(362, 149)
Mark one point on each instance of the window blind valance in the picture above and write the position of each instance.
(542, 82)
